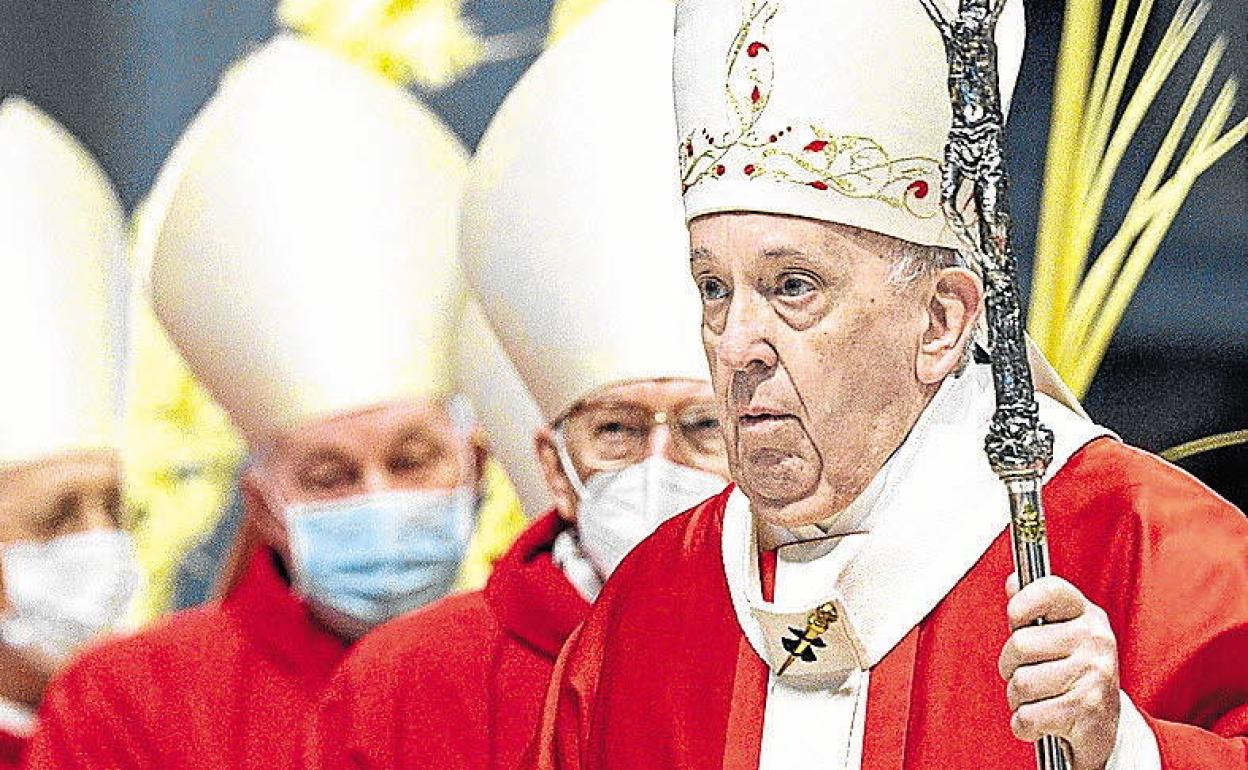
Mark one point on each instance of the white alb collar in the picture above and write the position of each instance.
(15, 718)
(577, 567)
(938, 509)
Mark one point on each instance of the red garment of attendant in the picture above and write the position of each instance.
(11, 747)
(458, 684)
(229, 685)
(660, 674)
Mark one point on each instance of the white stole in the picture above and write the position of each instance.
(933, 511)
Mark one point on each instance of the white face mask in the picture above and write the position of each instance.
(66, 591)
(619, 509)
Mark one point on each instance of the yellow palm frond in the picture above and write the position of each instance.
(426, 42)
(1077, 301)
(499, 520)
(566, 15)
(1206, 444)
(1070, 91)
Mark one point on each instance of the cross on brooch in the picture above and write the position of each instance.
(804, 643)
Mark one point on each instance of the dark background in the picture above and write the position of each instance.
(127, 75)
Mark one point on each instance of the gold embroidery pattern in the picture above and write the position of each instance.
(851, 166)
(1029, 524)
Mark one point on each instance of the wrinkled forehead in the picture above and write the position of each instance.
(658, 395)
(736, 236)
(371, 432)
(56, 474)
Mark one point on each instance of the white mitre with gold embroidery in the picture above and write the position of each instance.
(573, 233)
(304, 263)
(503, 406)
(827, 109)
(62, 231)
(837, 111)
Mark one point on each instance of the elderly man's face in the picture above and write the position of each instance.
(615, 426)
(408, 445)
(405, 446)
(820, 361)
(401, 446)
(61, 495)
(39, 501)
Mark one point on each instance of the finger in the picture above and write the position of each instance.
(1037, 644)
(1050, 599)
(1041, 681)
(1055, 716)
(1084, 713)
(1011, 584)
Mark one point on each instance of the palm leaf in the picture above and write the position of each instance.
(1206, 444)
(1078, 299)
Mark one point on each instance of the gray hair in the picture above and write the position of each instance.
(912, 261)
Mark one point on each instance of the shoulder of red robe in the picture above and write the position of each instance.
(690, 541)
(1147, 493)
(1174, 581)
(122, 677)
(434, 642)
(411, 690)
(175, 637)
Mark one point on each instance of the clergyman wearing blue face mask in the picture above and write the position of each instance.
(583, 274)
(299, 247)
(370, 513)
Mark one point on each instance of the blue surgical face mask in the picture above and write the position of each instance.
(377, 556)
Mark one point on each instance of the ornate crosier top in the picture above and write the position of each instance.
(853, 166)
(1017, 444)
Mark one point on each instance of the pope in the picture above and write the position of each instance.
(846, 604)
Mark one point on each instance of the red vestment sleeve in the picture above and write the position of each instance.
(1179, 593)
(1193, 681)
(82, 725)
(562, 730)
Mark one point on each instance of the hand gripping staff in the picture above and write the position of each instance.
(1018, 446)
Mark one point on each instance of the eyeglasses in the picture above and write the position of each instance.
(607, 437)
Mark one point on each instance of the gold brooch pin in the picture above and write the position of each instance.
(804, 643)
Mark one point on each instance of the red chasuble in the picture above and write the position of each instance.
(458, 684)
(228, 685)
(11, 747)
(660, 675)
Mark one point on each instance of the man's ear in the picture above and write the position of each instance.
(561, 491)
(480, 444)
(258, 510)
(953, 306)
(260, 526)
